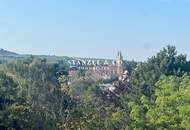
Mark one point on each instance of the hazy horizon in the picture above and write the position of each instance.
(95, 29)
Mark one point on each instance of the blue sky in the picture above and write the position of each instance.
(94, 28)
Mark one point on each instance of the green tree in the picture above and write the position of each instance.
(172, 106)
(166, 62)
(41, 104)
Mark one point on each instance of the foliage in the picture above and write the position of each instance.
(172, 106)
(36, 94)
(38, 102)
(166, 62)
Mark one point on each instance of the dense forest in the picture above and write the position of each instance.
(34, 96)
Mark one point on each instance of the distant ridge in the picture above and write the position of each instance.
(7, 53)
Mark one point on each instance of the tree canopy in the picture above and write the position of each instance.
(36, 94)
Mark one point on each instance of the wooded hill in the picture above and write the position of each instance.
(157, 96)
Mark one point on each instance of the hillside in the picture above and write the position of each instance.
(34, 96)
(7, 53)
